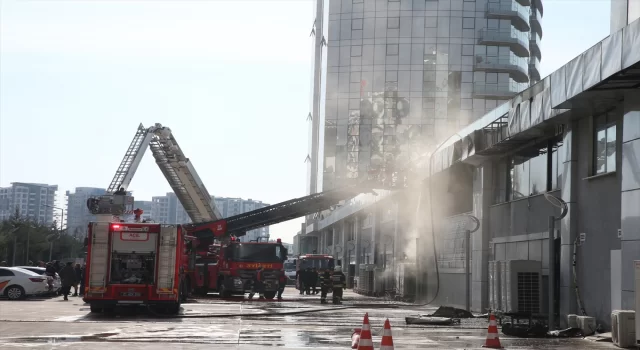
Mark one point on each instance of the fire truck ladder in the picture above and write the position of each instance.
(273, 214)
(131, 160)
(182, 177)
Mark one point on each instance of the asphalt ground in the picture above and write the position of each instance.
(298, 322)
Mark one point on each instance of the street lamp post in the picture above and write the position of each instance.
(61, 227)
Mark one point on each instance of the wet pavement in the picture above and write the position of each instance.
(299, 322)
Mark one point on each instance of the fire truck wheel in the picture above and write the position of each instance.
(95, 309)
(269, 295)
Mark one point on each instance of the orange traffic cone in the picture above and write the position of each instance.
(492, 342)
(387, 339)
(365, 343)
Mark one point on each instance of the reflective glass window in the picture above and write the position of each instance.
(604, 145)
(393, 22)
(519, 177)
(538, 174)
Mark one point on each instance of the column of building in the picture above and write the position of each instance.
(568, 225)
(482, 196)
(630, 197)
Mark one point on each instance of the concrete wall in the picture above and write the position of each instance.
(598, 211)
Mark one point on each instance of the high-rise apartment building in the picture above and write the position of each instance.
(392, 78)
(147, 209)
(234, 206)
(34, 201)
(168, 210)
(78, 215)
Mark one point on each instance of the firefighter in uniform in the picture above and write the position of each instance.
(258, 284)
(338, 283)
(325, 284)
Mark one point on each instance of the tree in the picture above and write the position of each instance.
(23, 240)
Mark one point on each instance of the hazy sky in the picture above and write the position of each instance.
(230, 78)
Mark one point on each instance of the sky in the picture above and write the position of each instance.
(231, 79)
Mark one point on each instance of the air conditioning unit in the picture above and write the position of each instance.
(523, 281)
(623, 328)
(587, 324)
(495, 291)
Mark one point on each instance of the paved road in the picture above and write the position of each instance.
(211, 323)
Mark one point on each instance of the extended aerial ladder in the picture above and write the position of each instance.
(238, 225)
(176, 168)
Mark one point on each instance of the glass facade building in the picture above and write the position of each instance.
(392, 78)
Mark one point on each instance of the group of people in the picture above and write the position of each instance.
(258, 285)
(309, 278)
(70, 276)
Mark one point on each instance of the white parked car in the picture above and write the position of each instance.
(57, 282)
(17, 283)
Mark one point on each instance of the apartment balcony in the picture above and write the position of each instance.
(517, 67)
(511, 10)
(500, 91)
(524, 2)
(534, 45)
(517, 40)
(535, 20)
(538, 4)
(534, 68)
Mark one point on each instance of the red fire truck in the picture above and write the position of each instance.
(229, 266)
(320, 262)
(156, 264)
(134, 264)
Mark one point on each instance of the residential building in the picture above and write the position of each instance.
(394, 78)
(235, 206)
(32, 200)
(564, 151)
(147, 209)
(78, 215)
(167, 209)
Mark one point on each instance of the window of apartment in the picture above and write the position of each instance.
(393, 22)
(604, 144)
(356, 24)
(356, 51)
(392, 49)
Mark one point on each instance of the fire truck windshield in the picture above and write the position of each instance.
(258, 252)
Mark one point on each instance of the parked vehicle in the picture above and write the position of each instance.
(56, 282)
(17, 283)
(290, 271)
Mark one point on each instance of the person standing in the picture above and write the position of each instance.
(68, 276)
(258, 285)
(325, 284)
(78, 272)
(282, 283)
(84, 269)
(300, 279)
(338, 283)
(314, 280)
